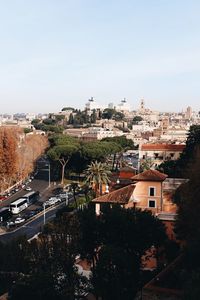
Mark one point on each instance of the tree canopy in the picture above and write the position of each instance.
(115, 242)
(62, 150)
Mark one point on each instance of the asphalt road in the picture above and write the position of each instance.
(41, 184)
(32, 227)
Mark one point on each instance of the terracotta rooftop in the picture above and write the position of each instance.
(162, 147)
(127, 169)
(150, 175)
(121, 196)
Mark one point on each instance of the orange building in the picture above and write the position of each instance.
(150, 190)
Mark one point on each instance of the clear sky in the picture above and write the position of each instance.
(56, 53)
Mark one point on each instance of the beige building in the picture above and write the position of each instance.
(160, 152)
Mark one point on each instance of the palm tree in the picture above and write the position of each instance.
(96, 175)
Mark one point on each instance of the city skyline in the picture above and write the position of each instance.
(57, 54)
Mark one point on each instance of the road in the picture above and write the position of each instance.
(41, 184)
(32, 227)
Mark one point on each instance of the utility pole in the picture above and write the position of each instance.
(44, 205)
(67, 199)
(49, 175)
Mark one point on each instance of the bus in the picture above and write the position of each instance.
(5, 214)
(31, 197)
(18, 205)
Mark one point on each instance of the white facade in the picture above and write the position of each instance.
(123, 106)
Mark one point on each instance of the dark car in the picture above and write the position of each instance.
(2, 198)
(30, 214)
(38, 209)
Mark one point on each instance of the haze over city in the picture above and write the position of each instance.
(60, 53)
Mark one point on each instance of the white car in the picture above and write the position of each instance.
(52, 201)
(28, 188)
(10, 223)
(19, 220)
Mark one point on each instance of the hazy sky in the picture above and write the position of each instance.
(56, 53)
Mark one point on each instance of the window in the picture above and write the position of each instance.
(152, 203)
(152, 191)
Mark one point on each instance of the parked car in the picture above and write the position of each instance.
(10, 223)
(2, 198)
(19, 220)
(32, 213)
(38, 209)
(52, 201)
(28, 188)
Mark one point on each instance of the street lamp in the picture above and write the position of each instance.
(135, 201)
(44, 212)
(49, 175)
(47, 164)
(67, 199)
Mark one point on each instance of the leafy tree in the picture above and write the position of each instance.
(80, 118)
(52, 273)
(115, 241)
(118, 116)
(62, 153)
(170, 168)
(71, 119)
(125, 143)
(49, 121)
(35, 121)
(95, 151)
(31, 148)
(146, 164)
(108, 113)
(62, 149)
(8, 157)
(27, 130)
(184, 166)
(59, 118)
(61, 139)
(116, 274)
(67, 108)
(93, 117)
(89, 234)
(74, 188)
(137, 119)
(187, 198)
